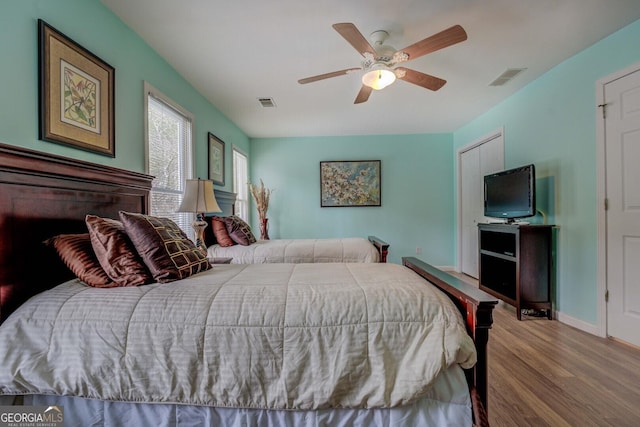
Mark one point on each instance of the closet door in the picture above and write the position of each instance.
(471, 208)
(482, 158)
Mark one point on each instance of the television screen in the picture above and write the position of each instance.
(511, 193)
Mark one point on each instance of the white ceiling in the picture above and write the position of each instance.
(234, 52)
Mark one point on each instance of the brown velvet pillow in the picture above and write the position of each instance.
(115, 252)
(76, 252)
(219, 228)
(209, 237)
(239, 231)
(165, 249)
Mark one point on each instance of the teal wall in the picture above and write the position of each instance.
(97, 29)
(552, 123)
(417, 191)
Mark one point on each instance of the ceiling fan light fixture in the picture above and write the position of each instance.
(379, 61)
(378, 76)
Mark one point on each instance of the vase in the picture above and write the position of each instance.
(264, 228)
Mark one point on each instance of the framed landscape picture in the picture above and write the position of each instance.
(76, 94)
(350, 183)
(216, 159)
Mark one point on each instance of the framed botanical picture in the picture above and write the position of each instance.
(216, 159)
(350, 183)
(76, 94)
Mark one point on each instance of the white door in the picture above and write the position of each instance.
(471, 200)
(481, 158)
(622, 153)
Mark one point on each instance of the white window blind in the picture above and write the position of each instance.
(241, 184)
(169, 157)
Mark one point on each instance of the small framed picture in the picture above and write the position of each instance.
(216, 159)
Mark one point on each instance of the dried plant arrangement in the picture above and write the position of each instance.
(261, 196)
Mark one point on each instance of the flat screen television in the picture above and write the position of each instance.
(510, 194)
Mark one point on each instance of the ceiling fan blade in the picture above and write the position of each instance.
(327, 75)
(448, 37)
(363, 95)
(421, 79)
(354, 37)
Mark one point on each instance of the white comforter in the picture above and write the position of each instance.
(353, 249)
(279, 336)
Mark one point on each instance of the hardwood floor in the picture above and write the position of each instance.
(545, 373)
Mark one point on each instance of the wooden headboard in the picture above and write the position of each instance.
(226, 201)
(43, 195)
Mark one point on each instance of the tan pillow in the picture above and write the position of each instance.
(165, 249)
(239, 230)
(219, 228)
(115, 252)
(77, 254)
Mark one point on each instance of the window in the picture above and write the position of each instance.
(169, 156)
(241, 184)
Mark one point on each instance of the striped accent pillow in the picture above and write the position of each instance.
(220, 231)
(77, 254)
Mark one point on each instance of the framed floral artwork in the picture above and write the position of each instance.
(76, 94)
(350, 183)
(216, 159)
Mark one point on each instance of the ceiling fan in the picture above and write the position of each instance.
(379, 61)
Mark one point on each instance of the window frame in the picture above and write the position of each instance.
(241, 205)
(188, 171)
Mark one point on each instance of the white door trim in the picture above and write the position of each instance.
(488, 137)
(601, 195)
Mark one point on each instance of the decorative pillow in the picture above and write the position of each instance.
(77, 254)
(219, 228)
(115, 252)
(239, 231)
(163, 246)
(209, 237)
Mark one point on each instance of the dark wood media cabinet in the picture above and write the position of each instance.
(515, 264)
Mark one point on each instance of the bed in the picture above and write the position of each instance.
(253, 251)
(348, 249)
(359, 314)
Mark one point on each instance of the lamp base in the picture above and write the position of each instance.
(198, 227)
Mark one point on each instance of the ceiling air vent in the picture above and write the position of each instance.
(507, 76)
(267, 102)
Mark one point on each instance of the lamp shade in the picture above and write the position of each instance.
(199, 197)
(378, 77)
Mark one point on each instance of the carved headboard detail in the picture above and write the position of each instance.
(226, 200)
(43, 195)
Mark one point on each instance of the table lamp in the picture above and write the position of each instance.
(199, 198)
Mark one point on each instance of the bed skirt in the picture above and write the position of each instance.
(448, 403)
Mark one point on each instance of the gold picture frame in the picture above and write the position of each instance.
(76, 94)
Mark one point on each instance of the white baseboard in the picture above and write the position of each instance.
(559, 316)
(576, 323)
